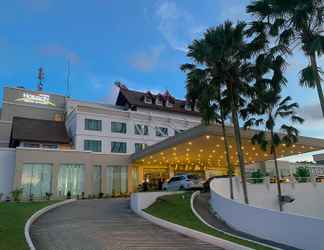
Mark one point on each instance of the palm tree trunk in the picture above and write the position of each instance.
(274, 153)
(240, 153)
(229, 166)
(317, 81)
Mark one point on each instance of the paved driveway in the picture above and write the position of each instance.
(106, 224)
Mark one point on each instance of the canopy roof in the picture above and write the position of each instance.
(204, 146)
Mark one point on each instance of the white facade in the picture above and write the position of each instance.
(7, 170)
(79, 111)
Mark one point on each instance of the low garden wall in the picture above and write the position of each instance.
(295, 230)
(142, 200)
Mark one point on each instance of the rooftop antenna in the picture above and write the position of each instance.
(68, 74)
(41, 77)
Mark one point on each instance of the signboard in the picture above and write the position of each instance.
(36, 99)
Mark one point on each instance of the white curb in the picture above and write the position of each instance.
(37, 215)
(191, 232)
(193, 196)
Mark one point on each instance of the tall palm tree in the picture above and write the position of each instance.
(294, 23)
(224, 52)
(200, 89)
(266, 109)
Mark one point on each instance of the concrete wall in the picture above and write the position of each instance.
(58, 157)
(140, 201)
(294, 230)
(5, 131)
(309, 197)
(7, 170)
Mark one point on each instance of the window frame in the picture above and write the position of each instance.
(88, 127)
(118, 132)
(121, 143)
(92, 141)
(142, 128)
(158, 130)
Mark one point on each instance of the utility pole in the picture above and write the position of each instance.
(41, 77)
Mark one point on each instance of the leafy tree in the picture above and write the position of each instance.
(270, 110)
(302, 174)
(224, 52)
(201, 90)
(293, 23)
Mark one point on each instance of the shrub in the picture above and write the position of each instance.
(257, 176)
(302, 174)
(48, 196)
(68, 195)
(16, 194)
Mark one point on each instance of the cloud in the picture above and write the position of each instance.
(55, 50)
(146, 60)
(178, 26)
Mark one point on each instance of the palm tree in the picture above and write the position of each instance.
(224, 52)
(268, 107)
(294, 23)
(210, 103)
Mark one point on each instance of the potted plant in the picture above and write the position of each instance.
(16, 194)
(48, 196)
(257, 176)
(68, 195)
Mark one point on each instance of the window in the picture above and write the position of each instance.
(91, 124)
(188, 107)
(169, 104)
(161, 131)
(147, 99)
(96, 179)
(118, 147)
(71, 179)
(179, 131)
(118, 127)
(53, 146)
(158, 101)
(117, 182)
(92, 145)
(31, 145)
(36, 180)
(139, 147)
(141, 129)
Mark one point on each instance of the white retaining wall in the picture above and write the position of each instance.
(309, 197)
(142, 200)
(7, 170)
(291, 229)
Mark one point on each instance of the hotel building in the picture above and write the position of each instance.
(53, 144)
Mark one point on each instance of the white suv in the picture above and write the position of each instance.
(183, 182)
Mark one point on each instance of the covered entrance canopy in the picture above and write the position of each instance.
(202, 149)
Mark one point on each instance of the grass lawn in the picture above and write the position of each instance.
(176, 209)
(13, 217)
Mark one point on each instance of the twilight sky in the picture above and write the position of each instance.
(141, 43)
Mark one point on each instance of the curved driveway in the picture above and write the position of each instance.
(106, 224)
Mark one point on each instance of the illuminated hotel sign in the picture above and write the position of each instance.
(36, 99)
